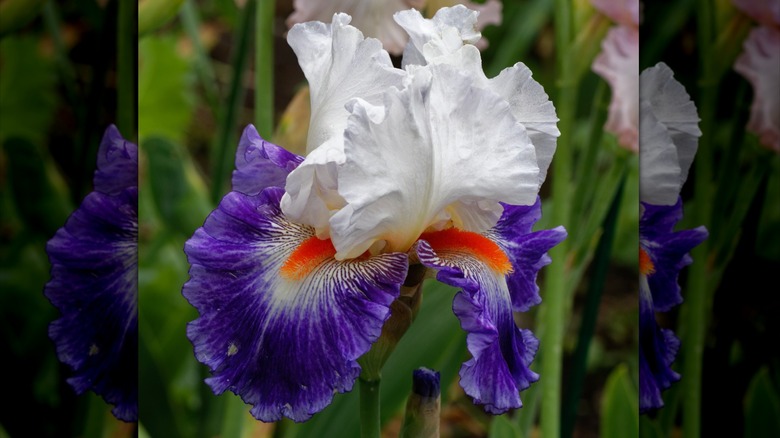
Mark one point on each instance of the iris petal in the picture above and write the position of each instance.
(667, 249)
(284, 343)
(261, 164)
(443, 156)
(657, 351)
(501, 352)
(94, 282)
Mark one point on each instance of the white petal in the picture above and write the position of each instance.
(659, 180)
(311, 191)
(445, 33)
(673, 108)
(340, 64)
(373, 17)
(443, 145)
(532, 107)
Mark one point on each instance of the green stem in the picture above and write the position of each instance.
(126, 68)
(591, 312)
(233, 418)
(222, 157)
(696, 302)
(205, 70)
(264, 68)
(370, 426)
(553, 309)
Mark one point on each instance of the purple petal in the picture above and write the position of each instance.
(94, 284)
(668, 250)
(284, 344)
(657, 351)
(527, 250)
(501, 353)
(261, 164)
(117, 163)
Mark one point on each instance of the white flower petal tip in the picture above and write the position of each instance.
(760, 65)
(445, 167)
(339, 64)
(618, 65)
(669, 135)
(448, 30)
(374, 18)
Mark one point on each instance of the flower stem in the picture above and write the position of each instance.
(126, 68)
(590, 315)
(369, 408)
(553, 309)
(225, 147)
(264, 68)
(697, 304)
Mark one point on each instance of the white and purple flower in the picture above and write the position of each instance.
(669, 138)
(295, 271)
(94, 282)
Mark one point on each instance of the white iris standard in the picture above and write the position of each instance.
(441, 143)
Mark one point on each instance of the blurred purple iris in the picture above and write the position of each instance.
(663, 253)
(94, 282)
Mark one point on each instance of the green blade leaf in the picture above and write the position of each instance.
(762, 406)
(620, 409)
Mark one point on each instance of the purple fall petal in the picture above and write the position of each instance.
(285, 345)
(526, 250)
(657, 351)
(261, 164)
(94, 282)
(668, 251)
(501, 353)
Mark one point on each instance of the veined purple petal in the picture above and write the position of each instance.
(668, 250)
(284, 339)
(526, 250)
(261, 164)
(501, 353)
(117, 163)
(94, 282)
(657, 351)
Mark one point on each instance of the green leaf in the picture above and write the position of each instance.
(36, 187)
(27, 93)
(434, 341)
(152, 14)
(502, 427)
(179, 194)
(166, 97)
(619, 409)
(762, 406)
(769, 223)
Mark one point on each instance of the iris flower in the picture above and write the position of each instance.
(94, 282)
(618, 64)
(375, 17)
(669, 139)
(294, 273)
(759, 63)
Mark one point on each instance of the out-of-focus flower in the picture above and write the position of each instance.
(759, 63)
(766, 12)
(618, 64)
(94, 282)
(623, 12)
(375, 17)
(429, 165)
(668, 140)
